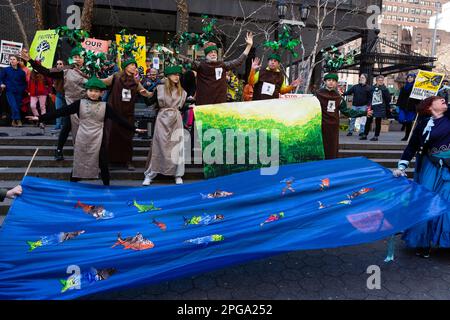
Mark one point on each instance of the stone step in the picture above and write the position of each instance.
(52, 141)
(372, 145)
(371, 154)
(50, 151)
(49, 161)
(195, 173)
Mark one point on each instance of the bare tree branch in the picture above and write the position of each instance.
(20, 23)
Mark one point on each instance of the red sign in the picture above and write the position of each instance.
(95, 45)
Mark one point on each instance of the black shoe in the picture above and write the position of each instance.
(349, 134)
(374, 139)
(59, 155)
(405, 139)
(363, 137)
(361, 134)
(403, 128)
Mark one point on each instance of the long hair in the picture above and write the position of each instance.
(424, 107)
(168, 85)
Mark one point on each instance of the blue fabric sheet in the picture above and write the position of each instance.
(184, 230)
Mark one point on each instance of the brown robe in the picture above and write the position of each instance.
(167, 156)
(89, 139)
(272, 77)
(212, 80)
(120, 140)
(331, 103)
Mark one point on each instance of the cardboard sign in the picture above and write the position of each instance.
(426, 85)
(95, 45)
(44, 46)
(8, 48)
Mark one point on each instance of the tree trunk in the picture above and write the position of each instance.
(182, 21)
(38, 13)
(88, 15)
(19, 22)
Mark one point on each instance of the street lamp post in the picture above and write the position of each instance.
(282, 7)
(433, 47)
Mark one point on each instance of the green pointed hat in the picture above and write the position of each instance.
(172, 70)
(331, 76)
(211, 48)
(95, 83)
(274, 56)
(77, 51)
(127, 62)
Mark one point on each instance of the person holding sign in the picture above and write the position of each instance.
(211, 73)
(331, 103)
(270, 82)
(13, 80)
(407, 105)
(74, 80)
(430, 144)
(381, 100)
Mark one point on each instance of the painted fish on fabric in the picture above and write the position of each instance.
(273, 217)
(138, 242)
(204, 220)
(144, 207)
(160, 225)
(217, 194)
(325, 183)
(78, 281)
(288, 182)
(98, 212)
(53, 239)
(360, 192)
(207, 239)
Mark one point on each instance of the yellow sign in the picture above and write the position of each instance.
(140, 55)
(427, 84)
(43, 47)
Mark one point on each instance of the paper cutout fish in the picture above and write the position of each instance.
(207, 239)
(160, 225)
(216, 194)
(138, 242)
(360, 192)
(98, 212)
(145, 207)
(345, 202)
(289, 187)
(272, 218)
(53, 239)
(325, 184)
(78, 281)
(204, 220)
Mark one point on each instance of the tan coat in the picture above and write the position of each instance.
(167, 156)
(90, 135)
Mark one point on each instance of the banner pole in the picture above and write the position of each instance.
(31, 162)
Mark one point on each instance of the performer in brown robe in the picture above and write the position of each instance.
(90, 154)
(270, 82)
(212, 74)
(331, 103)
(167, 151)
(122, 97)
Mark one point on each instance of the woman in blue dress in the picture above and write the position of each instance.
(430, 142)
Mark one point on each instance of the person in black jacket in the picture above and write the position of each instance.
(407, 105)
(362, 96)
(381, 100)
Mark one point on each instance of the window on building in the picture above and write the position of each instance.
(400, 9)
(429, 12)
(417, 20)
(413, 11)
(406, 10)
(424, 21)
(389, 8)
(394, 9)
(411, 19)
(422, 3)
